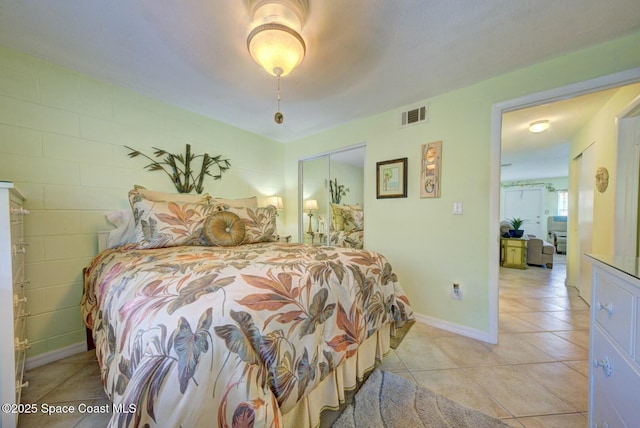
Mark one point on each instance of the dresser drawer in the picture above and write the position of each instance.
(21, 358)
(19, 306)
(17, 222)
(603, 413)
(17, 271)
(20, 340)
(517, 243)
(16, 214)
(622, 383)
(18, 250)
(614, 310)
(19, 329)
(16, 232)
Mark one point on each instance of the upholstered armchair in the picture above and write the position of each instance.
(557, 230)
(539, 252)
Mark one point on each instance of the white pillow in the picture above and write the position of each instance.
(125, 231)
(259, 223)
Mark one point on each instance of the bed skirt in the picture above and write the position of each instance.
(330, 393)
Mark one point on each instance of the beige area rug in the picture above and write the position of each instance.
(388, 400)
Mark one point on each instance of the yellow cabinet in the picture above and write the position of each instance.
(513, 253)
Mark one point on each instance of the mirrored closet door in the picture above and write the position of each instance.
(331, 198)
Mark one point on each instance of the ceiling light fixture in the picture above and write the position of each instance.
(539, 126)
(274, 41)
(276, 47)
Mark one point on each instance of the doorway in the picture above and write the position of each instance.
(551, 96)
(525, 203)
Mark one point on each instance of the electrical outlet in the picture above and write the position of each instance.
(456, 291)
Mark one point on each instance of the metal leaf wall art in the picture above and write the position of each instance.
(179, 167)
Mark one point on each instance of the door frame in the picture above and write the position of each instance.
(562, 93)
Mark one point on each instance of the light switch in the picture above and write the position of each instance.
(457, 208)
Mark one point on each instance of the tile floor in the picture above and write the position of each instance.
(537, 374)
(535, 377)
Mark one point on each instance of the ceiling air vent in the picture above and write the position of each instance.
(414, 116)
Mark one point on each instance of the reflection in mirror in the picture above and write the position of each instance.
(335, 181)
(346, 216)
(313, 173)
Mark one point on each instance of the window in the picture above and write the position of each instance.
(563, 202)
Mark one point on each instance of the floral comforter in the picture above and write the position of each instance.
(352, 239)
(205, 336)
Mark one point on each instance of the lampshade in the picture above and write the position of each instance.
(276, 201)
(274, 41)
(276, 47)
(538, 126)
(310, 205)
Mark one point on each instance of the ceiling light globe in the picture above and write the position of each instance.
(538, 126)
(276, 47)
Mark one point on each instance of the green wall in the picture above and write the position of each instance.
(429, 247)
(61, 142)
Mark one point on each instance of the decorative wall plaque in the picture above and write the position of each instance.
(602, 179)
(430, 173)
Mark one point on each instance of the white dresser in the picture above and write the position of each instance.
(614, 377)
(12, 300)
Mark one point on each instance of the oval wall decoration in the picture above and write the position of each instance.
(602, 179)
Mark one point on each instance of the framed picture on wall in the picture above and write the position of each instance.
(431, 161)
(391, 179)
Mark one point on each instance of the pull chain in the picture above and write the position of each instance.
(278, 117)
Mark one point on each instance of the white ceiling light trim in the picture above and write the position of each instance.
(274, 40)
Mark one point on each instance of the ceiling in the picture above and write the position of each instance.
(526, 155)
(364, 57)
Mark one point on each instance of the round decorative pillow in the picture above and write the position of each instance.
(223, 229)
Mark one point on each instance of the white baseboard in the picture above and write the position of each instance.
(455, 328)
(58, 354)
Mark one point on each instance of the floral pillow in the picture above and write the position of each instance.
(259, 223)
(353, 219)
(337, 218)
(161, 224)
(223, 229)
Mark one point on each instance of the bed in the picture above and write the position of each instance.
(341, 238)
(255, 334)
